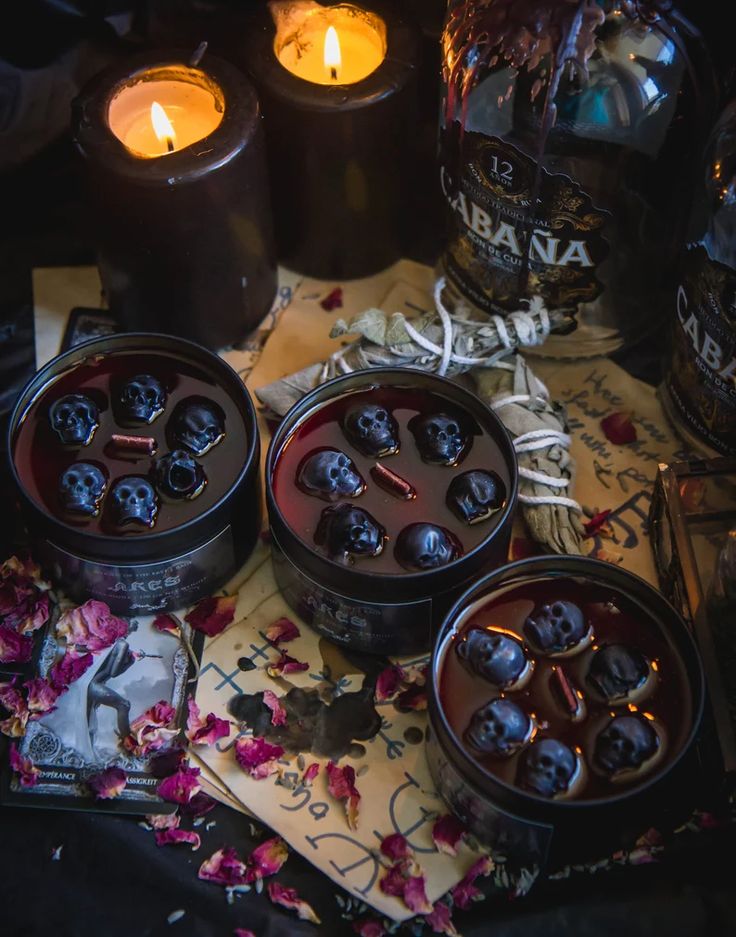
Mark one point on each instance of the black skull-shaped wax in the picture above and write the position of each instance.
(74, 418)
(142, 399)
(81, 489)
(626, 743)
(497, 657)
(500, 728)
(329, 474)
(440, 438)
(371, 429)
(198, 424)
(426, 546)
(179, 475)
(473, 496)
(133, 500)
(547, 768)
(556, 627)
(346, 532)
(618, 670)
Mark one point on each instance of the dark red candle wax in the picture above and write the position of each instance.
(41, 457)
(417, 492)
(571, 710)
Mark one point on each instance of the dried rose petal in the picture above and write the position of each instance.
(166, 625)
(92, 626)
(396, 846)
(223, 867)
(288, 898)
(205, 731)
(68, 668)
(163, 821)
(243, 932)
(198, 806)
(108, 784)
(152, 730)
(174, 837)
(333, 300)
(310, 774)
(278, 713)
(11, 698)
(180, 787)
(281, 631)
(162, 764)
(465, 891)
(341, 784)
(25, 769)
(26, 569)
(213, 614)
(440, 920)
(415, 895)
(414, 698)
(42, 696)
(447, 833)
(619, 428)
(14, 648)
(598, 524)
(393, 881)
(608, 556)
(266, 859)
(388, 682)
(369, 928)
(285, 665)
(33, 617)
(15, 725)
(257, 757)
(416, 674)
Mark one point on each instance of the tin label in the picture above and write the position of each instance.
(702, 372)
(147, 587)
(505, 245)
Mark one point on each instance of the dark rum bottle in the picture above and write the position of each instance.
(569, 135)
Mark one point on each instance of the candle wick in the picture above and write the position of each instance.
(169, 145)
(198, 54)
(333, 73)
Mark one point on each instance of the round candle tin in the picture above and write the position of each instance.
(588, 738)
(160, 504)
(369, 601)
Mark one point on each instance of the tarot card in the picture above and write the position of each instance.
(84, 324)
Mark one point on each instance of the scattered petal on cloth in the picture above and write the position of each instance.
(369, 928)
(163, 821)
(266, 859)
(440, 920)
(466, 891)
(14, 648)
(288, 898)
(341, 784)
(108, 784)
(447, 833)
(199, 805)
(243, 932)
(333, 300)
(388, 682)
(42, 696)
(618, 428)
(413, 698)
(310, 774)
(223, 867)
(278, 713)
(415, 895)
(396, 846)
(166, 625)
(174, 837)
(68, 668)
(24, 768)
(152, 730)
(285, 665)
(281, 631)
(91, 626)
(257, 757)
(598, 524)
(205, 731)
(180, 787)
(213, 614)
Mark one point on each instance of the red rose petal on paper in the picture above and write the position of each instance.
(447, 834)
(205, 731)
(266, 859)
(180, 787)
(68, 668)
(257, 757)
(152, 730)
(281, 631)
(14, 648)
(288, 898)
(341, 784)
(24, 768)
(393, 881)
(310, 774)
(388, 682)
(163, 821)
(396, 846)
(415, 895)
(285, 665)
(175, 837)
(213, 614)
(369, 928)
(278, 713)
(223, 867)
(440, 920)
(619, 428)
(42, 696)
(166, 625)
(92, 626)
(333, 300)
(414, 698)
(108, 784)
(608, 556)
(593, 526)
(465, 891)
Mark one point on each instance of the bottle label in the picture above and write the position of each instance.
(701, 377)
(505, 245)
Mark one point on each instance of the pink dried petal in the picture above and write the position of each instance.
(25, 569)
(597, 524)
(42, 696)
(24, 768)
(465, 891)
(447, 834)
(608, 556)
(396, 846)
(288, 898)
(415, 895)
(388, 682)
(152, 730)
(285, 665)
(281, 631)
(223, 867)
(243, 932)
(333, 300)
(198, 806)
(175, 837)
(166, 625)
(257, 757)
(394, 879)
(370, 928)
(267, 859)
(341, 784)
(92, 626)
(440, 920)
(414, 698)
(14, 726)
(310, 774)
(278, 713)
(14, 648)
(163, 821)
(619, 428)
(213, 614)
(180, 787)
(11, 698)
(205, 731)
(416, 675)
(108, 784)
(68, 668)
(34, 616)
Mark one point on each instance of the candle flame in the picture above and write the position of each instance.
(162, 126)
(333, 58)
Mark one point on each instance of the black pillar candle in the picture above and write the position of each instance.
(181, 212)
(339, 149)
